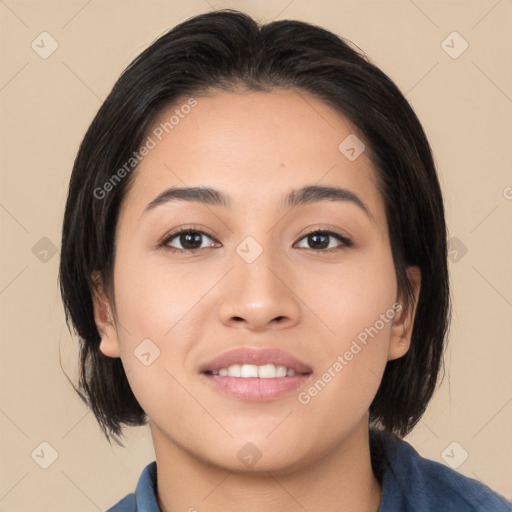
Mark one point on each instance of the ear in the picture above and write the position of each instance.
(403, 322)
(103, 317)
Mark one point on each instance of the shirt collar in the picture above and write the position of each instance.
(409, 482)
(145, 492)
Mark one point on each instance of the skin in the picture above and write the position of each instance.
(255, 147)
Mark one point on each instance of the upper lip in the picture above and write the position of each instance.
(255, 356)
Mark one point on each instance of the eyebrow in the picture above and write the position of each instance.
(296, 197)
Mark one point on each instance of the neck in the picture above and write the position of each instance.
(341, 480)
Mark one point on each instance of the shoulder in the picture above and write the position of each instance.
(414, 483)
(144, 499)
(127, 504)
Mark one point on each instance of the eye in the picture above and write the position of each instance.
(320, 238)
(189, 238)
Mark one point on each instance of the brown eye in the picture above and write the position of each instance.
(320, 241)
(189, 239)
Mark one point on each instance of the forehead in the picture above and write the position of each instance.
(254, 147)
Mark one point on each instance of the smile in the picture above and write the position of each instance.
(266, 371)
(255, 374)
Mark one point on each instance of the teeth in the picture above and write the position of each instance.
(281, 371)
(248, 370)
(266, 371)
(234, 370)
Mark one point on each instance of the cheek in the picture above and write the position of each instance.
(357, 320)
(354, 297)
(152, 298)
(157, 305)
(350, 374)
(154, 310)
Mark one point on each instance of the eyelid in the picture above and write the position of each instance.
(344, 237)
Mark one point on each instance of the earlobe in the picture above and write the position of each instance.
(109, 345)
(403, 322)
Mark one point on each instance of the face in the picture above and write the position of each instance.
(255, 288)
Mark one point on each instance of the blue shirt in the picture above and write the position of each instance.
(410, 483)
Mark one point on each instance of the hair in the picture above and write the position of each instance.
(227, 50)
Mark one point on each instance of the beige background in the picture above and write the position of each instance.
(465, 105)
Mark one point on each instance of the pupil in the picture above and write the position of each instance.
(316, 237)
(189, 238)
(195, 240)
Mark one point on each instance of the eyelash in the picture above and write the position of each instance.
(346, 242)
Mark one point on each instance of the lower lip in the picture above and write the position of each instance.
(255, 389)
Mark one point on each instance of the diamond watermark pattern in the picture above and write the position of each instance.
(249, 454)
(456, 249)
(147, 352)
(454, 455)
(454, 45)
(44, 45)
(44, 455)
(44, 250)
(249, 249)
(351, 147)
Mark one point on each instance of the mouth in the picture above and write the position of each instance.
(256, 374)
(250, 371)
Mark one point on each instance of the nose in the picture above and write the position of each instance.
(259, 295)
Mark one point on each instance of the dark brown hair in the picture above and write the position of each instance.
(230, 51)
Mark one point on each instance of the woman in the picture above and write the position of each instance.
(254, 257)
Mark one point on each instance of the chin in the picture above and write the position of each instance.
(259, 455)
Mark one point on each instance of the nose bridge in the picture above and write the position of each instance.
(256, 291)
(256, 266)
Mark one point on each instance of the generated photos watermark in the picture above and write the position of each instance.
(157, 134)
(305, 397)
